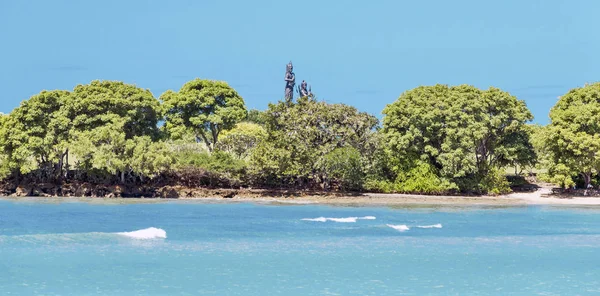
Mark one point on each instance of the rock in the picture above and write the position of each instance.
(66, 190)
(84, 189)
(229, 194)
(168, 192)
(23, 190)
(37, 192)
(115, 191)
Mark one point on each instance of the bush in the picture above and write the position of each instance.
(343, 166)
(216, 162)
(421, 178)
(495, 182)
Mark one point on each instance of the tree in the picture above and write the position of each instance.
(205, 107)
(240, 140)
(344, 166)
(103, 119)
(4, 160)
(573, 136)
(300, 135)
(256, 116)
(30, 138)
(105, 102)
(461, 131)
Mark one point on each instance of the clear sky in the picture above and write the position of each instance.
(362, 53)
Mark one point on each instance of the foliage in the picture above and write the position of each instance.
(461, 131)
(416, 177)
(106, 120)
(495, 182)
(216, 162)
(27, 136)
(102, 103)
(204, 107)
(300, 135)
(572, 139)
(256, 116)
(435, 139)
(240, 140)
(343, 166)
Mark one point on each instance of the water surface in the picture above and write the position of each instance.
(62, 247)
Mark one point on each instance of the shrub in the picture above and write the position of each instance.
(343, 166)
(495, 182)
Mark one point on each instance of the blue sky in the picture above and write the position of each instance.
(362, 53)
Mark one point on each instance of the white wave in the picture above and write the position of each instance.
(340, 220)
(344, 220)
(148, 233)
(431, 226)
(368, 218)
(320, 219)
(400, 228)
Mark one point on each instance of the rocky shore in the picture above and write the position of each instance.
(85, 189)
(543, 195)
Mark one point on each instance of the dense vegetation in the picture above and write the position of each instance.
(433, 139)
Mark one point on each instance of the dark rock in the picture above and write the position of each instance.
(115, 191)
(84, 189)
(229, 194)
(23, 190)
(169, 192)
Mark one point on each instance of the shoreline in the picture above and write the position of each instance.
(539, 197)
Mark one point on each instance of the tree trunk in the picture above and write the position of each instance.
(587, 177)
(66, 163)
(122, 177)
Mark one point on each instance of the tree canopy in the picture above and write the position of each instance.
(434, 139)
(204, 107)
(461, 131)
(573, 137)
(301, 135)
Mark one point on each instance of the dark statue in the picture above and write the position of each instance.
(304, 90)
(290, 82)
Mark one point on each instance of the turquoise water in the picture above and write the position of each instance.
(74, 248)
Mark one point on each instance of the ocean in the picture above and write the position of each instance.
(122, 247)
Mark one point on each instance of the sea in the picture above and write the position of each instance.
(155, 247)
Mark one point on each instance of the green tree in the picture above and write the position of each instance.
(300, 135)
(204, 107)
(573, 136)
(29, 137)
(240, 140)
(461, 131)
(256, 116)
(104, 118)
(344, 166)
(102, 103)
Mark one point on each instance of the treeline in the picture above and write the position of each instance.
(433, 139)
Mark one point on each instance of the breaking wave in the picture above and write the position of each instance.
(400, 228)
(148, 233)
(83, 237)
(340, 220)
(430, 226)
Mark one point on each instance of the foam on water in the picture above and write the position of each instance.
(339, 220)
(430, 226)
(148, 233)
(400, 227)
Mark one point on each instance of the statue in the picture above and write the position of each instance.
(290, 82)
(304, 90)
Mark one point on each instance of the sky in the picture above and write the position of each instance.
(361, 53)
